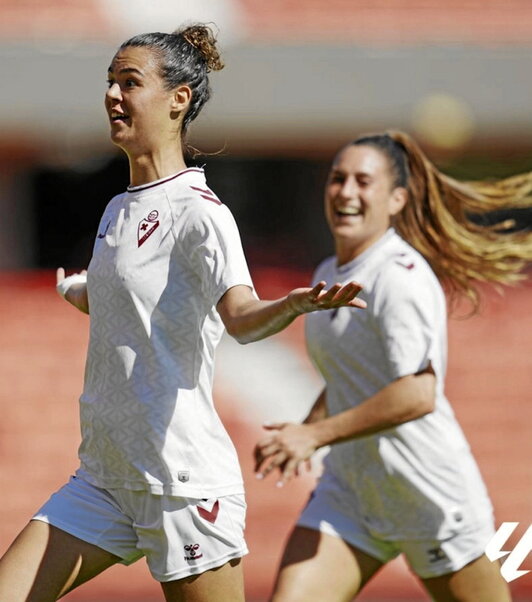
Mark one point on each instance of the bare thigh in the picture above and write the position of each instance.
(478, 580)
(317, 566)
(43, 563)
(223, 584)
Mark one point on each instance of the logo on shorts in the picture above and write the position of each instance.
(147, 227)
(192, 552)
(212, 514)
(436, 554)
(510, 567)
(183, 476)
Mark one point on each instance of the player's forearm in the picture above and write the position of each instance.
(249, 319)
(258, 319)
(403, 400)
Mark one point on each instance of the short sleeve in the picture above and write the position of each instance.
(406, 308)
(213, 244)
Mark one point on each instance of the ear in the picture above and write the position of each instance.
(398, 200)
(182, 96)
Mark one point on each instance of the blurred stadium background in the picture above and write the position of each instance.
(302, 77)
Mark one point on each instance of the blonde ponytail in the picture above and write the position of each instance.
(437, 222)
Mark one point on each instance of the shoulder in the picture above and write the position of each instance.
(194, 201)
(406, 274)
(116, 200)
(401, 262)
(112, 206)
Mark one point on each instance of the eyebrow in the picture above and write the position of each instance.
(358, 174)
(125, 70)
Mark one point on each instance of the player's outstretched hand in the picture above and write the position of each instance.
(286, 448)
(305, 300)
(73, 288)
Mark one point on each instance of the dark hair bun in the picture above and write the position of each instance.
(203, 39)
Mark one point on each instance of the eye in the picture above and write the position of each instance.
(110, 82)
(336, 178)
(130, 83)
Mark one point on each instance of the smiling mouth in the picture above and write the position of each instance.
(118, 117)
(350, 211)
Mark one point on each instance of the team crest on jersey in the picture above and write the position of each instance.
(147, 227)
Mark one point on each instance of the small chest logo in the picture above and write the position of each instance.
(183, 476)
(147, 227)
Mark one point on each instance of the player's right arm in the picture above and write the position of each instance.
(287, 445)
(73, 288)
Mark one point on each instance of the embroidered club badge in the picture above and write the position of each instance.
(147, 227)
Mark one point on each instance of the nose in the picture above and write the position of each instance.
(114, 92)
(349, 188)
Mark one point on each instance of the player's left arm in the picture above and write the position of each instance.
(249, 319)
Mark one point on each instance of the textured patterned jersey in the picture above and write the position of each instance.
(164, 255)
(419, 479)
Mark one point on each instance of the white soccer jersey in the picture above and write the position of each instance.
(164, 255)
(418, 480)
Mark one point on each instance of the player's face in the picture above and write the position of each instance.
(138, 106)
(360, 199)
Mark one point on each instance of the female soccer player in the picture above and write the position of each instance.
(159, 476)
(399, 477)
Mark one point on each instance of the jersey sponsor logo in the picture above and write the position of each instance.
(208, 194)
(105, 231)
(510, 567)
(192, 552)
(210, 515)
(147, 227)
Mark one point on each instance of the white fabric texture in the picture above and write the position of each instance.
(164, 255)
(418, 480)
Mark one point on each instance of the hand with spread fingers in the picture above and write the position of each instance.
(287, 447)
(306, 300)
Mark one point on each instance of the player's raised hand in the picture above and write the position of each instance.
(305, 300)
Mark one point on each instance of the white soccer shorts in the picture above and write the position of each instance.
(178, 536)
(329, 512)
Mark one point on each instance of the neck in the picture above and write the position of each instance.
(347, 250)
(151, 166)
(346, 253)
